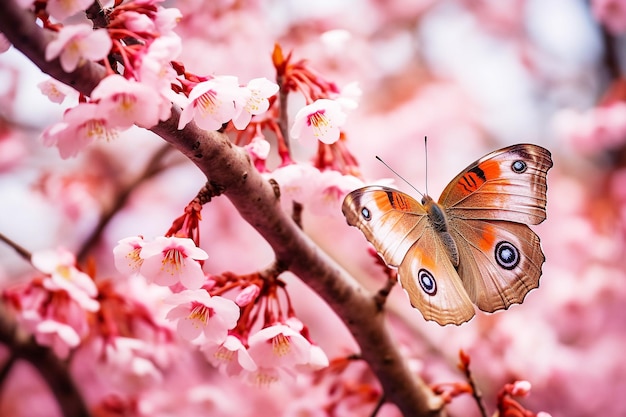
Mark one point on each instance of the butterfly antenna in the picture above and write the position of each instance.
(399, 176)
(426, 157)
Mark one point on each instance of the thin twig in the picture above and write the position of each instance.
(379, 404)
(19, 249)
(54, 371)
(381, 296)
(152, 168)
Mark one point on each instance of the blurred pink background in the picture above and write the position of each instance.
(473, 76)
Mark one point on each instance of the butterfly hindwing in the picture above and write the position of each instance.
(508, 184)
(432, 283)
(500, 261)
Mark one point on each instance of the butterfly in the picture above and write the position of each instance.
(474, 246)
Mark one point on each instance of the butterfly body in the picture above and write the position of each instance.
(473, 246)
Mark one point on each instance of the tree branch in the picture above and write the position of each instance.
(54, 371)
(230, 167)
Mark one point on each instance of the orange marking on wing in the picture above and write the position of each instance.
(487, 237)
(428, 261)
(399, 202)
(382, 201)
(477, 176)
(491, 169)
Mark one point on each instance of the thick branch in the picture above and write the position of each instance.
(229, 166)
(52, 369)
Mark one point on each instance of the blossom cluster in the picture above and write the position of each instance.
(221, 327)
(56, 307)
(143, 79)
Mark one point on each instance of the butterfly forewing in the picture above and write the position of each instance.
(509, 184)
(389, 219)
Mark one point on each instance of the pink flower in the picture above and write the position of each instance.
(62, 9)
(611, 13)
(265, 376)
(126, 255)
(259, 148)
(279, 345)
(166, 19)
(4, 43)
(248, 295)
(127, 102)
(81, 125)
(213, 103)
(328, 192)
(349, 96)
(295, 182)
(60, 267)
(76, 44)
(59, 336)
(137, 22)
(320, 120)
(257, 93)
(520, 388)
(231, 357)
(318, 359)
(199, 313)
(56, 91)
(169, 260)
(154, 67)
(130, 364)
(596, 129)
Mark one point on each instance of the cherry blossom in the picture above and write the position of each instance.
(612, 13)
(320, 120)
(129, 363)
(349, 96)
(329, 190)
(78, 43)
(279, 345)
(56, 91)
(520, 388)
(154, 62)
(4, 43)
(126, 255)
(258, 148)
(170, 260)
(295, 182)
(198, 313)
(62, 9)
(166, 19)
(213, 103)
(60, 266)
(248, 295)
(257, 94)
(231, 356)
(81, 126)
(601, 127)
(59, 336)
(127, 102)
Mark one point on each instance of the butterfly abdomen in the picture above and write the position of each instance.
(439, 222)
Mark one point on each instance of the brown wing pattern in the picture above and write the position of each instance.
(500, 261)
(432, 283)
(390, 220)
(398, 227)
(508, 184)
